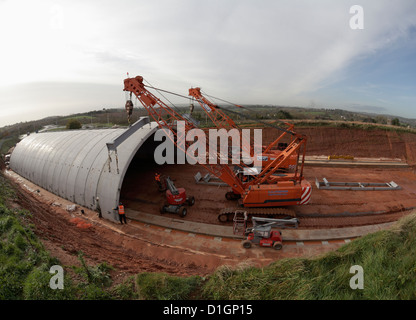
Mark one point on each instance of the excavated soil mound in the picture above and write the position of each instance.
(374, 143)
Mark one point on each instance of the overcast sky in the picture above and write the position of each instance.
(64, 57)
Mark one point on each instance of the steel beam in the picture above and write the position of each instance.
(356, 186)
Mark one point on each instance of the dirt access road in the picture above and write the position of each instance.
(139, 190)
(135, 247)
(327, 208)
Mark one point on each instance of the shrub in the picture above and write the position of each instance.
(125, 290)
(395, 122)
(37, 287)
(73, 124)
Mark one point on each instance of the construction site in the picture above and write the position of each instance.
(317, 188)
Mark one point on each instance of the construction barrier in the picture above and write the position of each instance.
(80, 223)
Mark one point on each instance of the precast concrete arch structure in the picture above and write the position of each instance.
(82, 166)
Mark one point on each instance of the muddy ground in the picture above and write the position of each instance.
(340, 208)
(371, 143)
(136, 247)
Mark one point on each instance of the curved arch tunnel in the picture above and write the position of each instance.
(84, 166)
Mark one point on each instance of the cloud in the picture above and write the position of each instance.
(266, 51)
(44, 99)
(367, 108)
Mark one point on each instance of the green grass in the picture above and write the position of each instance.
(25, 264)
(388, 259)
(22, 259)
(161, 286)
(8, 143)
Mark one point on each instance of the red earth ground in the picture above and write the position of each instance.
(137, 247)
(371, 206)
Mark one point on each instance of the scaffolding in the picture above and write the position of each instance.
(240, 222)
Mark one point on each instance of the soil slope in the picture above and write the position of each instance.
(375, 143)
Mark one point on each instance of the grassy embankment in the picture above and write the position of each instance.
(25, 264)
(388, 259)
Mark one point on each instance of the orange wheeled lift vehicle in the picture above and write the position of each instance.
(262, 234)
(176, 199)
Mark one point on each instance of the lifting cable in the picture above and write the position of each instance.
(159, 91)
(248, 117)
(225, 109)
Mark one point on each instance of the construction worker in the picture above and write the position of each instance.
(157, 178)
(99, 208)
(121, 213)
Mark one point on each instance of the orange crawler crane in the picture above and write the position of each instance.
(220, 119)
(266, 193)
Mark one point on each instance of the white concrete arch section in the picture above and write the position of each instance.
(81, 165)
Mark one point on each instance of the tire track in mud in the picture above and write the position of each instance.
(142, 252)
(98, 243)
(328, 221)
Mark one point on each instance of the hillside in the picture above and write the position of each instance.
(370, 141)
(10, 134)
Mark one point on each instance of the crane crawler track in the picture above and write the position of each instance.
(227, 214)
